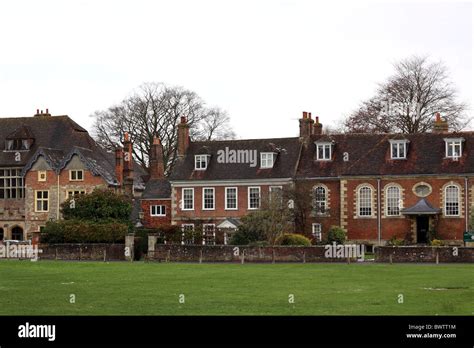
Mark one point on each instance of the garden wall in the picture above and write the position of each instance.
(89, 252)
(423, 254)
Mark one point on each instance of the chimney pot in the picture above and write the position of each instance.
(438, 117)
(126, 136)
(47, 111)
(309, 115)
(305, 114)
(37, 111)
(183, 119)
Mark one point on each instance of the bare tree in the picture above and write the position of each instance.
(155, 109)
(408, 100)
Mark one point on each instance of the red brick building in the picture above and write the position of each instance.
(375, 186)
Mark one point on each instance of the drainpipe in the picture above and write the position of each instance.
(466, 203)
(379, 217)
(57, 210)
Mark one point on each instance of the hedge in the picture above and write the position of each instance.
(78, 231)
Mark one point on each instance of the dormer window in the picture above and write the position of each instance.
(398, 149)
(200, 162)
(267, 159)
(453, 147)
(17, 144)
(323, 151)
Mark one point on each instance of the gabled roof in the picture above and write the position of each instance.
(422, 207)
(288, 150)
(369, 154)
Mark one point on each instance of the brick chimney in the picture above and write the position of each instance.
(127, 166)
(41, 113)
(157, 167)
(119, 165)
(183, 137)
(440, 124)
(318, 127)
(306, 125)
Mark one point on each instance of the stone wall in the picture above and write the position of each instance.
(86, 252)
(424, 254)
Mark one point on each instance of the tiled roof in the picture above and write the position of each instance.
(369, 154)
(422, 207)
(287, 149)
(157, 188)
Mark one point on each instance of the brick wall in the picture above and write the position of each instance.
(155, 221)
(424, 254)
(85, 252)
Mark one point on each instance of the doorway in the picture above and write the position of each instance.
(422, 227)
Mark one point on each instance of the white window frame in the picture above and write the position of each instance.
(42, 199)
(272, 188)
(183, 200)
(359, 205)
(317, 231)
(198, 159)
(204, 234)
(42, 173)
(183, 228)
(453, 143)
(267, 160)
(398, 144)
(325, 211)
(76, 171)
(324, 146)
(236, 198)
(446, 201)
(389, 200)
(158, 208)
(204, 198)
(259, 197)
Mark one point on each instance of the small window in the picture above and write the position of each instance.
(254, 197)
(188, 198)
(42, 175)
(200, 162)
(209, 234)
(324, 151)
(398, 149)
(317, 232)
(187, 234)
(42, 201)
(454, 148)
(158, 210)
(320, 200)
(276, 194)
(267, 159)
(231, 198)
(208, 198)
(76, 175)
(72, 193)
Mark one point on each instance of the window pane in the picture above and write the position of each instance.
(452, 200)
(365, 201)
(393, 201)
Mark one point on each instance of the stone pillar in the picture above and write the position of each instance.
(151, 245)
(129, 241)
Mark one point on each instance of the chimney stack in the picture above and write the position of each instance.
(119, 165)
(306, 124)
(183, 137)
(440, 124)
(41, 113)
(157, 167)
(318, 127)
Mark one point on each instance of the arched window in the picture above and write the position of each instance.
(365, 201)
(451, 207)
(320, 199)
(393, 201)
(17, 233)
(1, 234)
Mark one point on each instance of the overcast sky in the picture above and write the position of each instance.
(264, 62)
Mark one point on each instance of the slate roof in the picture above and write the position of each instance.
(58, 139)
(369, 154)
(422, 207)
(288, 150)
(156, 189)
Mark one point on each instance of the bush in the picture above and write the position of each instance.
(293, 239)
(77, 231)
(436, 242)
(394, 241)
(250, 231)
(336, 234)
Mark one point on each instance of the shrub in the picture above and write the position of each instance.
(293, 239)
(251, 230)
(394, 241)
(77, 231)
(336, 234)
(436, 242)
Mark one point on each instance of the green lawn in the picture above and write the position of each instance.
(45, 287)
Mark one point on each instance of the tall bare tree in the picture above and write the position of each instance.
(407, 101)
(155, 109)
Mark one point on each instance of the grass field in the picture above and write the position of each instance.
(115, 288)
